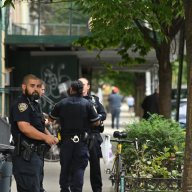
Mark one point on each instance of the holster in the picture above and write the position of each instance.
(27, 150)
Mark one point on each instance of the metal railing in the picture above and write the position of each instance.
(153, 184)
(48, 29)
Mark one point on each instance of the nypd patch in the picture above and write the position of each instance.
(22, 107)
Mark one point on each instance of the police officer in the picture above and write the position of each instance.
(75, 113)
(30, 139)
(41, 90)
(95, 149)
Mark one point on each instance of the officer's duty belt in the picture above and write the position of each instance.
(40, 149)
(75, 137)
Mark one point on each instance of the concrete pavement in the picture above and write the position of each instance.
(52, 169)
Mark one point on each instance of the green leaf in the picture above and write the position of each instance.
(8, 3)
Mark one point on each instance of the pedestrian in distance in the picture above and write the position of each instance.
(150, 104)
(95, 149)
(130, 104)
(75, 115)
(29, 137)
(114, 100)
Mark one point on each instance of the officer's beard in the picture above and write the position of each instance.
(34, 96)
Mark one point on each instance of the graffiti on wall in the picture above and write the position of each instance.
(56, 80)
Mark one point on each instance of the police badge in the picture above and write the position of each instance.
(22, 107)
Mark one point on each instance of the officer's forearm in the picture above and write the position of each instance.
(28, 130)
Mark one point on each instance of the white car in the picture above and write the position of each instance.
(182, 112)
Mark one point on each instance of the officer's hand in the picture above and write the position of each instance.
(56, 140)
(50, 140)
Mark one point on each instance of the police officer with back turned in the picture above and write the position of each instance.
(75, 114)
(95, 149)
(30, 138)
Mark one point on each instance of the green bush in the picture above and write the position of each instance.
(161, 146)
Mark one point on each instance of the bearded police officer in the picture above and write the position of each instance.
(30, 139)
(75, 114)
(95, 149)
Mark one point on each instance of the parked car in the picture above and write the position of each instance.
(182, 112)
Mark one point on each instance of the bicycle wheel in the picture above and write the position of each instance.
(117, 169)
(119, 176)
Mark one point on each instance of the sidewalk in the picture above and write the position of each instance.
(52, 169)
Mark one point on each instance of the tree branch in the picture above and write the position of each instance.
(175, 27)
(146, 33)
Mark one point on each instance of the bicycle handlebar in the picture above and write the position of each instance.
(126, 141)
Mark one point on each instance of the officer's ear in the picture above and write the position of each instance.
(23, 86)
(88, 86)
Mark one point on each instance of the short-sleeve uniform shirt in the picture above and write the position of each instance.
(75, 114)
(28, 111)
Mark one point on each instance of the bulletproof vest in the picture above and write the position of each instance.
(73, 117)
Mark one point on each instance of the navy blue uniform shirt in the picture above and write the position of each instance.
(75, 114)
(28, 111)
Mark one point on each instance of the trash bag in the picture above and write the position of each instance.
(106, 149)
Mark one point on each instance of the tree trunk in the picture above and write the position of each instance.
(165, 79)
(187, 174)
(139, 93)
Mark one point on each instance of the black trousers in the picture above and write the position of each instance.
(95, 170)
(73, 160)
(27, 174)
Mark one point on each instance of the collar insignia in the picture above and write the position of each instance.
(22, 107)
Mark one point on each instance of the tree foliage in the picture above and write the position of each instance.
(8, 3)
(136, 26)
(161, 148)
(123, 80)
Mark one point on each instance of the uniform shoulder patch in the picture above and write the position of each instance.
(22, 107)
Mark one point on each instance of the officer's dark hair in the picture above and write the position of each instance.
(29, 76)
(77, 86)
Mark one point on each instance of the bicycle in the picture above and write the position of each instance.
(118, 171)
